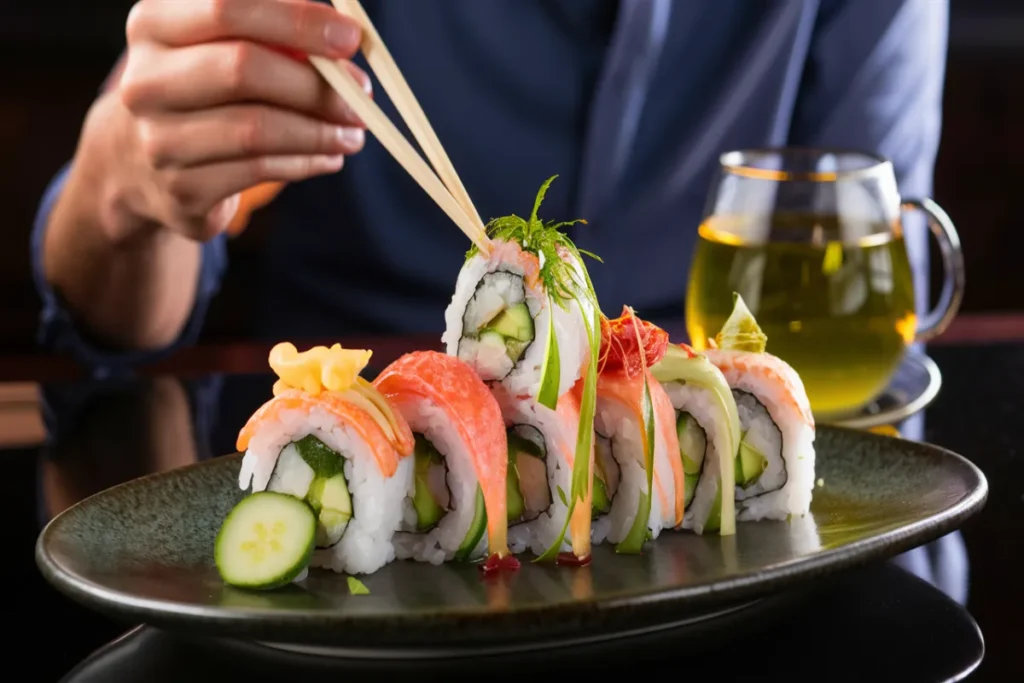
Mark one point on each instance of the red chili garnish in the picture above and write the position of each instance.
(497, 563)
(629, 344)
(570, 560)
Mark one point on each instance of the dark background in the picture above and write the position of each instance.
(56, 54)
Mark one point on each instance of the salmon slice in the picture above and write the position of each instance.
(629, 394)
(512, 253)
(453, 386)
(787, 387)
(349, 414)
(665, 426)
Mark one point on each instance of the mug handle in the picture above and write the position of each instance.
(937, 320)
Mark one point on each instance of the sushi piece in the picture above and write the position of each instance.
(329, 438)
(543, 452)
(775, 460)
(526, 319)
(708, 436)
(524, 315)
(456, 505)
(638, 475)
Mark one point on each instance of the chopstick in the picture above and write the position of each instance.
(395, 143)
(395, 85)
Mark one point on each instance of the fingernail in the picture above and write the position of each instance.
(352, 137)
(341, 36)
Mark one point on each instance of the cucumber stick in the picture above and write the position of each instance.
(266, 541)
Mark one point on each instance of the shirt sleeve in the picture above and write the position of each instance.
(874, 82)
(58, 331)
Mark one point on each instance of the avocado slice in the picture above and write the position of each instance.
(514, 349)
(329, 497)
(750, 464)
(476, 528)
(428, 512)
(513, 323)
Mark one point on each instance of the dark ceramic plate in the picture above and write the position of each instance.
(143, 552)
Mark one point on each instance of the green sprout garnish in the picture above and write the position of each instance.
(560, 279)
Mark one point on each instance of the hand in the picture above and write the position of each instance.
(214, 100)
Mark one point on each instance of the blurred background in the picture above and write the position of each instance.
(57, 54)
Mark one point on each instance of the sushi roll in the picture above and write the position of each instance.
(455, 508)
(638, 475)
(526, 319)
(542, 452)
(775, 460)
(708, 436)
(329, 438)
(522, 316)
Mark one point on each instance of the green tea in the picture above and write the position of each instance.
(836, 299)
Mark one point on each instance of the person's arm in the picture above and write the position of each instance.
(212, 101)
(59, 330)
(874, 82)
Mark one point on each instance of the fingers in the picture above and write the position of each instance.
(241, 131)
(308, 27)
(200, 199)
(217, 74)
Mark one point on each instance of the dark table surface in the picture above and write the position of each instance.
(929, 615)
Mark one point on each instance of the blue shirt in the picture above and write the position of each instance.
(630, 103)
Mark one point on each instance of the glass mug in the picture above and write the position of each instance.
(813, 240)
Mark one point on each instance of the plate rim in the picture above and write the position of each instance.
(171, 614)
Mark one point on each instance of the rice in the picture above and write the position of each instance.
(618, 423)
(442, 542)
(477, 285)
(366, 545)
(559, 435)
(700, 404)
(768, 390)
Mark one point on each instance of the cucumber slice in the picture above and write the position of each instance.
(266, 541)
(551, 370)
(493, 339)
(600, 502)
(476, 529)
(428, 511)
(714, 520)
(750, 464)
(690, 482)
(331, 501)
(515, 504)
(324, 462)
(693, 445)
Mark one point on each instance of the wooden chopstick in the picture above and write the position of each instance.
(395, 85)
(370, 114)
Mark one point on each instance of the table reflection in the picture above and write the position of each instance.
(100, 434)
